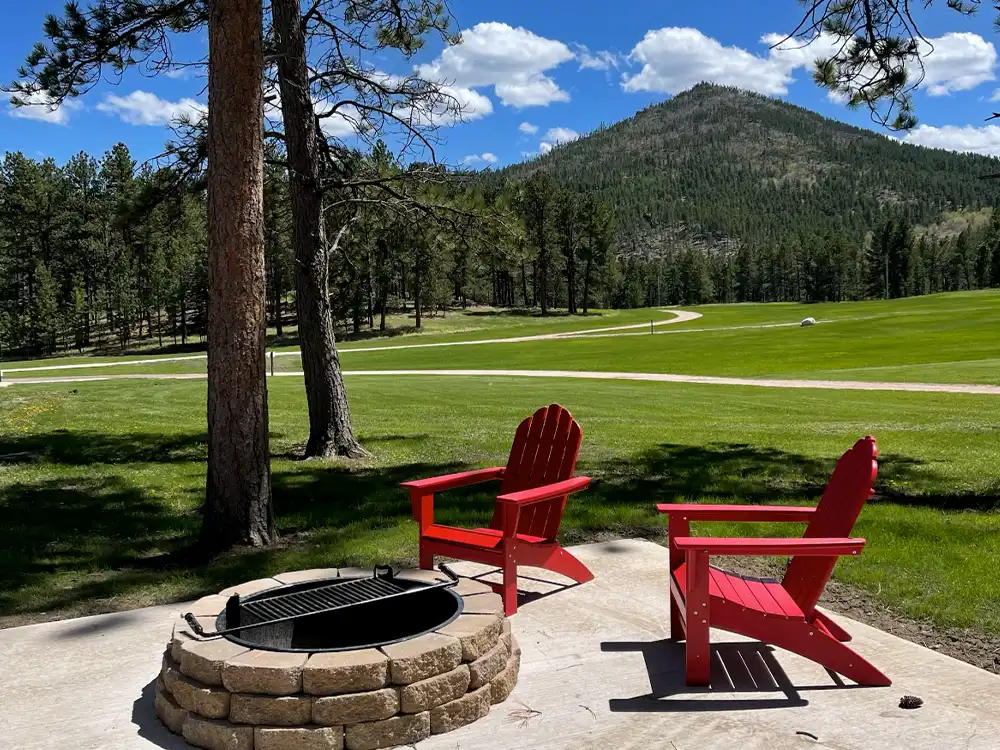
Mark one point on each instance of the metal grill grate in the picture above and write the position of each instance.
(278, 608)
(323, 599)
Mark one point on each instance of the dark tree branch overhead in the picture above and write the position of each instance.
(879, 60)
(113, 34)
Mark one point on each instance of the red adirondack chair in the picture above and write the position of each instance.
(783, 614)
(535, 483)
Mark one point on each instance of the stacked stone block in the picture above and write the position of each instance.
(222, 696)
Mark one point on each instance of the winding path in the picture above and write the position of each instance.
(655, 377)
(680, 316)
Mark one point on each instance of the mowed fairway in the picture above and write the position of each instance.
(948, 338)
(100, 482)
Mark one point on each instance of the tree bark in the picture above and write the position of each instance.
(416, 293)
(330, 431)
(571, 283)
(238, 493)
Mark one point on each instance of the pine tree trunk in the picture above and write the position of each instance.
(184, 328)
(543, 280)
(586, 286)
(330, 432)
(571, 283)
(416, 293)
(371, 309)
(238, 497)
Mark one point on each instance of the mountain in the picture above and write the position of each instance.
(718, 165)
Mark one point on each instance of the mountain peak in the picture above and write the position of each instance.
(730, 163)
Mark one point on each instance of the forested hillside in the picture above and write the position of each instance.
(726, 163)
(716, 196)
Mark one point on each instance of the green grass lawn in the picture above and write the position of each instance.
(945, 343)
(100, 482)
(947, 338)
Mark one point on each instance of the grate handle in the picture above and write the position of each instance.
(389, 574)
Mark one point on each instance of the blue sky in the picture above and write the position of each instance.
(533, 74)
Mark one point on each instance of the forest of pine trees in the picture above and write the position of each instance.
(80, 266)
(95, 253)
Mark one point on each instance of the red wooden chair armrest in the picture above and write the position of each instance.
(545, 492)
(697, 512)
(451, 481)
(422, 490)
(813, 547)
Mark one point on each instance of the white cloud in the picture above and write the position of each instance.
(486, 157)
(472, 104)
(345, 121)
(537, 91)
(790, 54)
(38, 105)
(144, 108)
(527, 128)
(977, 140)
(601, 60)
(554, 136)
(674, 59)
(957, 62)
(513, 60)
(453, 106)
(450, 106)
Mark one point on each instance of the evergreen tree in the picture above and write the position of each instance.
(539, 209)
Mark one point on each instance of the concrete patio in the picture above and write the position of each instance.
(596, 672)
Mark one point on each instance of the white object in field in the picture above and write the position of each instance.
(808, 322)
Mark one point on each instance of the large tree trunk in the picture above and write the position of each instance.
(238, 496)
(330, 432)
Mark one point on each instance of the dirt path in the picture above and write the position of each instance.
(680, 316)
(655, 377)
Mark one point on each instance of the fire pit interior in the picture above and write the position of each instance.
(339, 614)
(331, 659)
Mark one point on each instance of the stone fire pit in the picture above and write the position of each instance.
(222, 695)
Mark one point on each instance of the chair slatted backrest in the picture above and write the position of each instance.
(849, 488)
(545, 449)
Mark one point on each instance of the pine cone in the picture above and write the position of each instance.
(910, 701)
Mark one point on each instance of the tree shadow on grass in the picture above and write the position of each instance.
(84, 447)
(78, 540)
(736, 472)
(529, 312)
(84, 543)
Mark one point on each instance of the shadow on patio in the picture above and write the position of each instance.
(741, 671)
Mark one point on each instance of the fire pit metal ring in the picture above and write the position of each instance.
(229, 692)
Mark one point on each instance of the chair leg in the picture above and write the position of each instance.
(697, 650)
(676, 620)
(697, 653)
(426, 558)
(832, 654)
(566, 564)
(509, 593)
